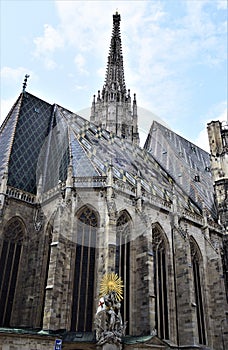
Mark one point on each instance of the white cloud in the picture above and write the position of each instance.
(14, 74)
(151, 39)
(222, 4)
(6, 105)
(51, 40)
(160, 49)
(78, 87)
(202, 139)
(11, 77)
(80, 62)
(47, 44)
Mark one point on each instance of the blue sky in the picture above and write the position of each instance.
(175, 56)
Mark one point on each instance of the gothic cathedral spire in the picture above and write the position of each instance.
(112, 110)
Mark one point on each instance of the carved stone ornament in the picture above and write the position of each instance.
(108, 321)
(38, 218)
(112, 209)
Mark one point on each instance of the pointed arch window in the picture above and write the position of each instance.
(122, 262)
(9, 265)
(160, 284)
(83, 285)
(196, 266)
(124, 131)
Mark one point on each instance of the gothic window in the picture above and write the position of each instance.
(83, 285)
(124, 129)
(196, 266)
(122, 263)
(9, 266)
(160, 284)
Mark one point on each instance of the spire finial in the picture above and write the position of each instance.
(25, 82)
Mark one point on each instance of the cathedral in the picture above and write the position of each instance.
(81, 199)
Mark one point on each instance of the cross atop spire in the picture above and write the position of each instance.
(25, 82)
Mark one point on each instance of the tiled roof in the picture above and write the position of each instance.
(7, 131)
(48, 137)
(31, 119)
(188, 164)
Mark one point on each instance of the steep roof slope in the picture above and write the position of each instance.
(188, 164)
(7, 132)
(22, 134)
(41, 140)
(92, 150)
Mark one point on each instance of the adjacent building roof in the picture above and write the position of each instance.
(186, 163)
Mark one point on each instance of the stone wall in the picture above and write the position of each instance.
(30, 282)
(49, 253)
(26, 342)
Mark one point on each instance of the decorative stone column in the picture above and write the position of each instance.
(111, 226)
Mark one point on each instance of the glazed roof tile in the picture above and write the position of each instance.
(48, 137)
(25, 129)
(7, 131)
(188, 164)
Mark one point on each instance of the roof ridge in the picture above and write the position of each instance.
(183, 138)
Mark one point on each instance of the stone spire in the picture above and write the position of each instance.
(112, 110)
(114, 81)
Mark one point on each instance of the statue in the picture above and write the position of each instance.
(108, 321)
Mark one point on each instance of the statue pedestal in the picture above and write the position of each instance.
(107, 346)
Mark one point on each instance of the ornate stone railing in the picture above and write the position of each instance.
(52, 192)
(21, 195)
(79, 182)
(193, 216)
(124, 187)
(214, 225)
(156, 201)
(95, 181)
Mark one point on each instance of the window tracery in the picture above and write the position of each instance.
(160, 283)
(122, 262)
(196, 266)
(83, 283)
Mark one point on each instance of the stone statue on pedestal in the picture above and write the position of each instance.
(108, 321)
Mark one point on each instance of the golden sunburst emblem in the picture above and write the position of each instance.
(111, 283)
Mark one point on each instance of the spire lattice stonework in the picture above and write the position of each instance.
(112, 110)
(115, 81)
